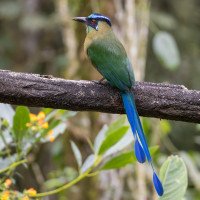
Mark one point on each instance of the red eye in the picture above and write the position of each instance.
(93, 21)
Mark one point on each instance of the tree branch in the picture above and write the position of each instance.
(165, 101)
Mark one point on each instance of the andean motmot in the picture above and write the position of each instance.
(109, 57)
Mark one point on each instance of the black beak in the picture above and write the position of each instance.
(80, 19)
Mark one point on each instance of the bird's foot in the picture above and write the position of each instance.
(100, 81)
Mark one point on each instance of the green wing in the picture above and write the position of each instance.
(110, 59)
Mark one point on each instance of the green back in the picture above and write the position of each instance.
(109, 57)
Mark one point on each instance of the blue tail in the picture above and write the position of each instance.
(140, 152)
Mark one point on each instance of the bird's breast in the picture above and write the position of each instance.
(93, 37)
(104, 30)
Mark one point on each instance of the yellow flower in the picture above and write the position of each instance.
(45, 125)
(25, 198)
(33, 117)
(51, 138)
(31, 191)
(50, 132)
(40, 122)
(5, 195)
(8, 182)
(40, 116)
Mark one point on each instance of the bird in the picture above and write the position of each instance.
(109, 57)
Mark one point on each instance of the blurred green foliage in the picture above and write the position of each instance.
(166, 50)
(20, 132)
(108, 152)
(173, 174)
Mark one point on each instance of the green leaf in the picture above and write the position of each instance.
(125, 141)
(50, 113)
(124, 159)
(77, 154)
(105, 131)
(21, 117)
(166, 50)
(116, 125)
(68, 114)
(100, 138)
(173, 175)
(120, 161)
(112, 139)
(88, 163)
(54, 183)
(59, 129)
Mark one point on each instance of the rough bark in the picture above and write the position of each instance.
(164, 101)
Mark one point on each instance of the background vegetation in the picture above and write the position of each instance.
(162, 40)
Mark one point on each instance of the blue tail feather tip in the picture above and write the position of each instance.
(139, 152)
(158, 185)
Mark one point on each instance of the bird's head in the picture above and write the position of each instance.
(93, 20)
